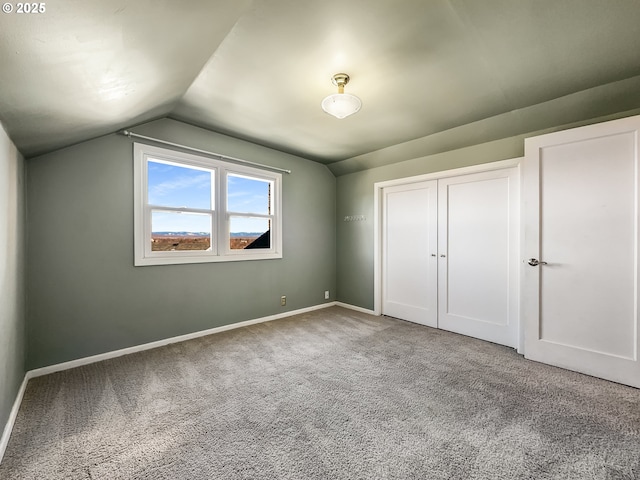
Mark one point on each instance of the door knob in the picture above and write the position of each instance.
(534, 262)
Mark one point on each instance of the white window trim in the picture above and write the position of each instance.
(220, 252)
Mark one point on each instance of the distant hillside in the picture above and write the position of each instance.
(204, 234)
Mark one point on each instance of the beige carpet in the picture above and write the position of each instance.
(333, 394)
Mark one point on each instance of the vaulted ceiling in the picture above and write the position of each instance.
(258, 70)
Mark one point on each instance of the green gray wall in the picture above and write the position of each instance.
(85, 296)
(355, 196)
(12, 300)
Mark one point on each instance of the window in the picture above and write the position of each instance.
(193, 209)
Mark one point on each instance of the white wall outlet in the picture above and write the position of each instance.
(283, 300)
(326, 294)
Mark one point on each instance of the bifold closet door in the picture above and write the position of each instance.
(478, 270)
(580, 287)
(409, 247)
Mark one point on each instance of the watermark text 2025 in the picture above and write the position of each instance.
(24, 8)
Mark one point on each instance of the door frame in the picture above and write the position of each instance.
(378, 223)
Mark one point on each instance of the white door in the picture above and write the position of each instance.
(409, 262)
(580, 281)
(478, 244)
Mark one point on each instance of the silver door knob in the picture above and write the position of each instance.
(534, 262)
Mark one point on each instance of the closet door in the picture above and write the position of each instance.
(580, 283)
(409, 262)
(478, 255)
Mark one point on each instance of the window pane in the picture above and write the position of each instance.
(180, 231)
(248, 195)
(249, 233)
(174, 186)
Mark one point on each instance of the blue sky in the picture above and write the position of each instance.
(177, 186)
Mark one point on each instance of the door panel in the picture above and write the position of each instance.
(409, 287)
(478, 243)
(581, 216)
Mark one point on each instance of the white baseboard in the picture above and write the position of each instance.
(357, 309)
(8, 428)
(38, 372)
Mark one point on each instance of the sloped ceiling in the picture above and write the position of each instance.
(258, 70)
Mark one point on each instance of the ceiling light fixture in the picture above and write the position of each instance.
(341, 104)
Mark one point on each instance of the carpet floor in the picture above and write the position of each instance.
(332, 394)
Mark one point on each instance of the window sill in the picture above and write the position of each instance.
(187, 259)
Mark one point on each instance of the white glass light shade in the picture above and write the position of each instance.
(341, 105)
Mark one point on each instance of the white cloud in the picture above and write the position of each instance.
(164, 188)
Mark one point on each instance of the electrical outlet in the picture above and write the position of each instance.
(326, 294)
(283, 300)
